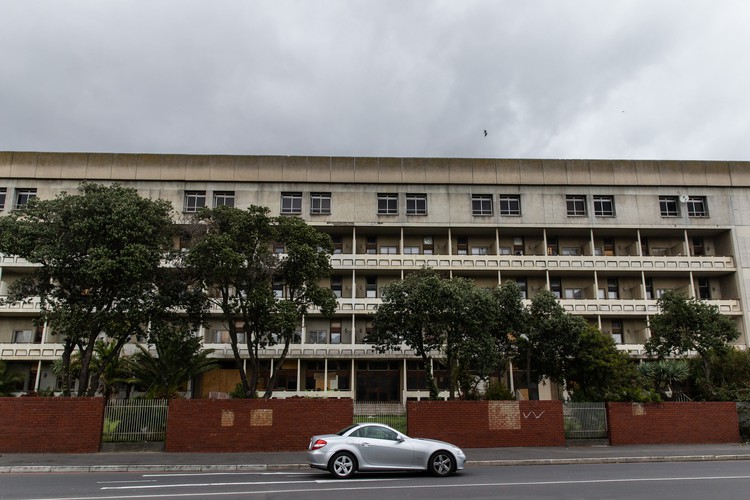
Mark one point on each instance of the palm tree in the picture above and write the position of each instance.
(179, 358)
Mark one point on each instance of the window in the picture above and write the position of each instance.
(336, 286)
(481, 204)
(649, 285)
(320, 203)
(574, 293)
(555, 286)
(223, 337)
(2, 198)
(410, 250)
(371, 245)
(194, 200)
(697, 247)
(669, 206)
(317, 337)
(428, 245)
(291, 203)
(613, 288)
(223, 199)
(387, 204)
(338, 243)
(22, 337)
(388, 250)
(571, 251)
(552, 247)
(617, 331)
(480, 251)
(371, 287)
(522, 287)
(335, 332)
(696, 206)
(510, 204)
(575, 205)
(704, 289)
(462, 245)
(23, 196)
(416, 204)
(604, 206)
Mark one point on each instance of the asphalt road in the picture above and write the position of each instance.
(670, 480)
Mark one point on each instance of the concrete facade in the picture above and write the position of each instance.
(607, 236)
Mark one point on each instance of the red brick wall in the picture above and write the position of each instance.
(487, 424)
(660, 423)
(236, 425)
(51, 425)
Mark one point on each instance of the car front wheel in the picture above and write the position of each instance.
(441, 464)
(342, 465)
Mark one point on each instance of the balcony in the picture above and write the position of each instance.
(14, 261)
(528, 262)
(30, 307)
(47, 352)
(634, 307)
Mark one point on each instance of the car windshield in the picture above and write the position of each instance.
(346, 429)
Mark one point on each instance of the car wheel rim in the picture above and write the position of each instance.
(343, 466)
(442, 464)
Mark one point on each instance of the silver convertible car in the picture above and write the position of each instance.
(377, 447)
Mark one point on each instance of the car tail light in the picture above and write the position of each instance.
(318, 444)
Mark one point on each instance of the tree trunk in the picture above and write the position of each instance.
(86, 355)
(237, 360)
(66, 376)
(277, 366)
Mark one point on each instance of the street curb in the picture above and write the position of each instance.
(607, 460)
(35, 469)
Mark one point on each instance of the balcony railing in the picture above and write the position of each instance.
(521, 262)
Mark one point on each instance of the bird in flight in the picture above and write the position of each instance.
(485, 133)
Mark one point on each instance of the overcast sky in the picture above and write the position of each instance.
(649, 79)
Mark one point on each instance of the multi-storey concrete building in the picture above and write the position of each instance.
(607, 237)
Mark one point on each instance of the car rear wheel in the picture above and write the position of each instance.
(342, 465)
(441, 464)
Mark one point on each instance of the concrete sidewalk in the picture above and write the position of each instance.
(272, 461)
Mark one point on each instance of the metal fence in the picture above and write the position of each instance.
(135, 420)
(392, 414)
(585, 420)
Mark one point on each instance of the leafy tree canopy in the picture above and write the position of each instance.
(686, 325)
(99, 256)
(234, 259)
(598, 371)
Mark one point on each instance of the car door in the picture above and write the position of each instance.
(381, 447)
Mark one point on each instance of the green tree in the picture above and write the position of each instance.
(470, 350)
(550, 341)
(9, 380)
(730, 376)
(234, 257)
(598, 371)
(686, 325)
(409, 314)
(179, 358)
(99, 256)
(449, 318)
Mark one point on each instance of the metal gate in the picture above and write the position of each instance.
(585, 420)
(135, 420)
(392, 414)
